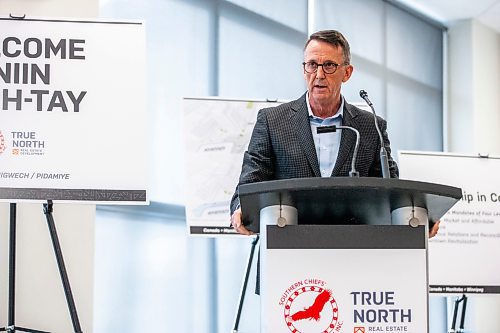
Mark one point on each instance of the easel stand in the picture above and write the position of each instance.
(11, 327)
(244, 286)
(462, 300)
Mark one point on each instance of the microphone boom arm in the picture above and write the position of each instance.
(333, 128)
(384, 161)
(353, 172)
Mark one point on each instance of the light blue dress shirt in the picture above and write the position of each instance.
(327, 144)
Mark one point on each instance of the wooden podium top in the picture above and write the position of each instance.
(345, 200)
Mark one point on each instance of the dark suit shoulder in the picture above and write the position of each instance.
(285, 108)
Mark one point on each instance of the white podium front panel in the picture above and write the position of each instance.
(330, 280)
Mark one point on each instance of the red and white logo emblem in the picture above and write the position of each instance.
(2, 143)
(311, 309)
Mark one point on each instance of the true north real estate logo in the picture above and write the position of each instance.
(378, 311)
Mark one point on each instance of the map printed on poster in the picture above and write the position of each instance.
(464, 256)
(216, 134)
(73, 124)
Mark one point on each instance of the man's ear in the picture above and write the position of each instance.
(348, 72)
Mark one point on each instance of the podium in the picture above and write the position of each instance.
(344, 254)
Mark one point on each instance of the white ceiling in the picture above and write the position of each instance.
(445, 11)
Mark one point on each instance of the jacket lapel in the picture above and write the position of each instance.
(347, 140)
(300, 121)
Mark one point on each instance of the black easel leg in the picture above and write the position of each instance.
(244, 287)
(47, 209)
(24, 329)
(455, 312)
(11, 315)
(462, 317)
(12, 266)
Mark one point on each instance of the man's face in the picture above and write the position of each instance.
(322, 87)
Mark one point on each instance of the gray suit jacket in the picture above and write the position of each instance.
(282, 146)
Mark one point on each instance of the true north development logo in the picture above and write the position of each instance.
(26, 143)
(308, 306)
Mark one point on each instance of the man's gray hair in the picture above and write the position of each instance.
(334, 38)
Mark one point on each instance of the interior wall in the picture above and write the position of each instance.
(50, 8)
(486, 88)
(473, 81)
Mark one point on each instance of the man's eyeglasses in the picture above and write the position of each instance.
(329, 67)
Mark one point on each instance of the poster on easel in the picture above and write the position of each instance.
(216, 135)
(463, 256)
(73, 120)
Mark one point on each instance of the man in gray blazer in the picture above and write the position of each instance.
(284, 142)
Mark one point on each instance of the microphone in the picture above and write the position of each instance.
(384, 161)
(333, 128)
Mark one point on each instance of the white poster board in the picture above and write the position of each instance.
(464, 257)
(73, 123)
(216, 134)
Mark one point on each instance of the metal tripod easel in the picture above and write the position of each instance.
(11, 326)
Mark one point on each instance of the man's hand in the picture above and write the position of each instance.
(434, 230)
(238, 225)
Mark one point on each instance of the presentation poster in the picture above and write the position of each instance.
(216, 134)
(464, 257)
(73, 121)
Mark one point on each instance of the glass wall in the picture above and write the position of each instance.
(398, 60)
(149, 275)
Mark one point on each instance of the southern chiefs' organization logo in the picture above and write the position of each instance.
(2, 143)
(311, 308)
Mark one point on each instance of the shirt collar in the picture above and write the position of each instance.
(339, 113)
